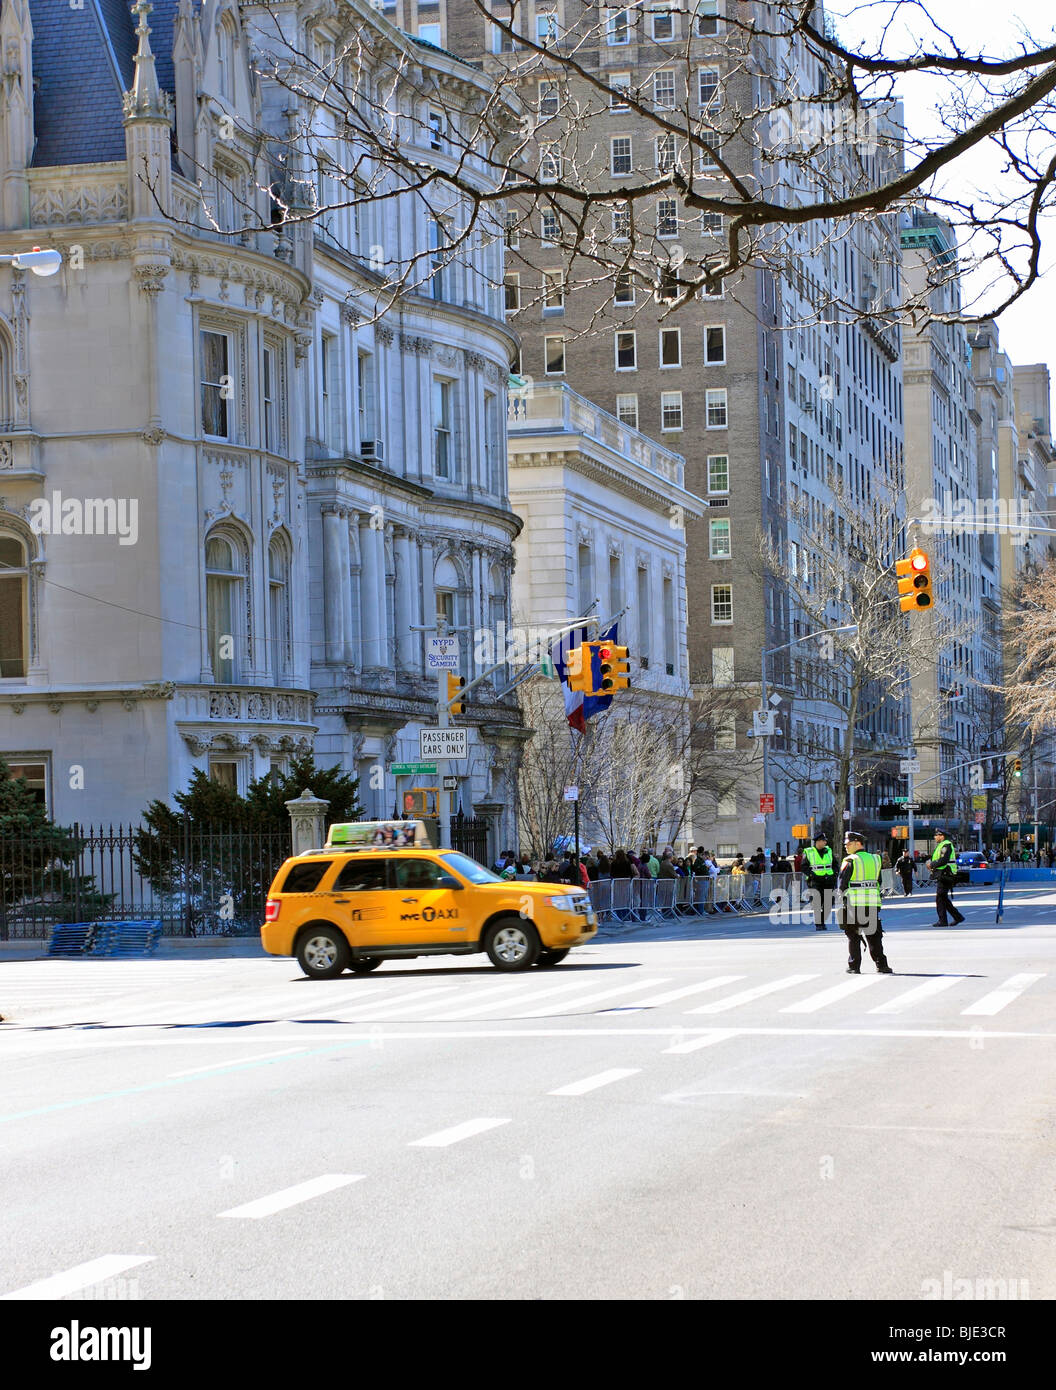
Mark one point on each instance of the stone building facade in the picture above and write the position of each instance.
(312, 478)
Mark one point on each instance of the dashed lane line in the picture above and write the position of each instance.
(292, 1196)
(593, 1083)
(444, 1137)
(81, 1276)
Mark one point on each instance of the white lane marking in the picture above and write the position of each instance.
(493, 1001)
(79, 1277)
(583, 1000)
(528, 996)
(746, 996)
(236, 1061)
(370, 1013)
(337, 998)
(694, 1044)
(670, 995)
(291, 1196)
(996, 1000)
(443, 1137)
(591, 1083)
(902, 1002)
(828, 996)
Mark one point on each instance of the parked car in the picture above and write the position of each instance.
(973, 867)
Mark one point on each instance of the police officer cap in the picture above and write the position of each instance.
(853, 835)
(820, 836)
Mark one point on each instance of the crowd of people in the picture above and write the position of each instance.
(646, 863)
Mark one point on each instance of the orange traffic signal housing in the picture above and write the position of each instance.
(580, 669)
(914, 581)
(614, 673)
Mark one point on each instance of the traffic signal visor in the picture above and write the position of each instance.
(914, 581)
(580, 669)
(454, 686)
(614, 671)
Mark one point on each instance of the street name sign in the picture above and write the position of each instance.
(909, 765)
(413, 769)
(440, 744)
(441, 653)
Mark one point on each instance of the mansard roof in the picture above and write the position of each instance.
(82, 63)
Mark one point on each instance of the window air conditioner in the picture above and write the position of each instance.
(373, 449)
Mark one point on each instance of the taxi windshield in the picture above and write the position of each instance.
(469, 868)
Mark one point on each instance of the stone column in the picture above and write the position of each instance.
(371, 591)
(348, 651)
(428, 586)
(405, 614)
(333, 525)
(307, 820)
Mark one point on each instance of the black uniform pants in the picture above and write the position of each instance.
(944, 903)
(907, 883)
(821, 901)
(874, 940)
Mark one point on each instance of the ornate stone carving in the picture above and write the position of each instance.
(301, 345)
(154, 435)
(223, 704)
(60, 205)
(350, 316)
(7, 454)
(476, 361)
(385, 335)
(421, 347)
(151, 276)
(91, 706)
(159, 690)
(258, 707)
(283, 707)
(449, 356)
(197, 745)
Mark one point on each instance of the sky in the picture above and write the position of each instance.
(1026, 328)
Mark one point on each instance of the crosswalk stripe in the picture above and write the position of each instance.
(529, 995)
(996, 1000)
(670, 995)
(746, 996)
(493, 1000)
(592, 1083)
(692, 1044)
(902, 1002)
(79, 1277)
(583, 1000)
(368, 1013)
(292, 1196)
(829, 996)
(442, 1138)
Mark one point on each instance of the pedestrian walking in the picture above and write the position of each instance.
(860, 905)
(821, 879)
(943, 865)
(904, 868)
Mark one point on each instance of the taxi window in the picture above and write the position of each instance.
(421, 873)
(361, 875)
(305, 878)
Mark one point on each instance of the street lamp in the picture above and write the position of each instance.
(38, 261)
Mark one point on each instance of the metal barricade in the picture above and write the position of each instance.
(722, 893)
(600, 891)
(620, 899)
(702, 895)
(645, 898)
(684, 895)
(664, 892)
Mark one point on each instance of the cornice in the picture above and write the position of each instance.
(55, 697)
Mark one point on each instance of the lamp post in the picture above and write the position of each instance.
(39, 262)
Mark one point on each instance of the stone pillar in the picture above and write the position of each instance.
(371, 591)
(428, 586)
(348, 652)
(333, 574)
(404, 608)
(307, 822)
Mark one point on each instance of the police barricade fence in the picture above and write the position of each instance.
(698, 895)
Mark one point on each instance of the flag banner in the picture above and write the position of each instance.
(579, 707)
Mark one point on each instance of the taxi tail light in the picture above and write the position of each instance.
(271, 909)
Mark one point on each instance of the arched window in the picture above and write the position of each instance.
(224, 591)
(14, 607)
(226, 57)
(448, 585)
(278, 610)
(7, 408)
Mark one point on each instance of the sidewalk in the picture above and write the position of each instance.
(169, 948)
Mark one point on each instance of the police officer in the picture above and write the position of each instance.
(821, 879)
(943, 865)
(860, 912)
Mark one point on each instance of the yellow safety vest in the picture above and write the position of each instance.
(864, 887)
(820, 862)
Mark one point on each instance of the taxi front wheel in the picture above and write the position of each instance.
(512, 944)
(322, 952)
(549, 956)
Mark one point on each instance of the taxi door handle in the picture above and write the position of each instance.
(408, 900)
(340, 900)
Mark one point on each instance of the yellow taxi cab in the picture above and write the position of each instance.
(380, 890)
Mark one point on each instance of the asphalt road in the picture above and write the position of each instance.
(690, 1111)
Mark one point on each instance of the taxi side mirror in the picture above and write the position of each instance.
(446, 881)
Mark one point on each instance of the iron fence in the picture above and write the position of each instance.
(197, 881)
(469, 835)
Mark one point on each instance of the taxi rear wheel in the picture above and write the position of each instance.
(322, 952)
(547, 956)
(365, 965)
(512, 944)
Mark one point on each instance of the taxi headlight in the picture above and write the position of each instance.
(565, 903)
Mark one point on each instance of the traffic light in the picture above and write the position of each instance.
(614, 672)
(1017, 767)
(454, 685)
(580, 669)
(914, 581)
